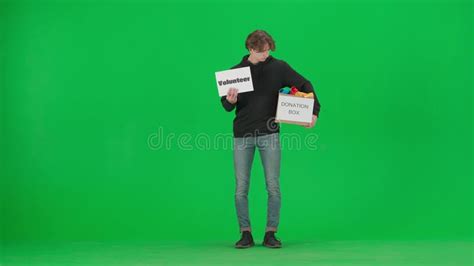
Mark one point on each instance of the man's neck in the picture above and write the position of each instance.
(252, 60)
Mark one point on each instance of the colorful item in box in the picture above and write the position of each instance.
(294, 91)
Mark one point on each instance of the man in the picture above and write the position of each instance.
(254, 126)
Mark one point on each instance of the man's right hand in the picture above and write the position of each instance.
(232, 95)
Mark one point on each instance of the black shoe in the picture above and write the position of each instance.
(245, 241)
(270, 240)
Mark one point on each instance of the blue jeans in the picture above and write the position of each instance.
(270, 153)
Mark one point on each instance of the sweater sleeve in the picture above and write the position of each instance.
(226, 104)
(293, 78)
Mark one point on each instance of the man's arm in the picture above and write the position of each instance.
(230, 100)
(226, 104)
(293, 78)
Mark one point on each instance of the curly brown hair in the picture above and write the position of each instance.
(257, 40)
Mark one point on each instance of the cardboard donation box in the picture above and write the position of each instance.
(292, 109)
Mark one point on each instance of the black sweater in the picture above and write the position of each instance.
(256, 110)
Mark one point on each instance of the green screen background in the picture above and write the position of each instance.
(85, 86)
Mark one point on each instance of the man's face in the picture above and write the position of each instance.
(261, 55)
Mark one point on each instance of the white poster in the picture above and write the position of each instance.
(239, 78)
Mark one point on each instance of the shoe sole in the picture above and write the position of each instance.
(269, 246)
(241, 247)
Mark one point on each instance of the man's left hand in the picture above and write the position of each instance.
(313, 122)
